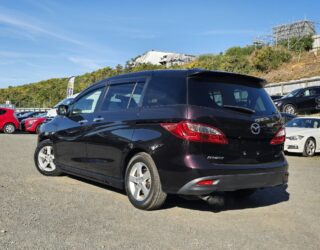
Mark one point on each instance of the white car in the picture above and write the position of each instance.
(303, 136)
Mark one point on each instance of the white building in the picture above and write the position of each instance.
(163, 58)
(316, 43)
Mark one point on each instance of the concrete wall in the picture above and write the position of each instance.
(283, 88)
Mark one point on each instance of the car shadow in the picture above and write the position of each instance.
(261, 198)
(299, 154)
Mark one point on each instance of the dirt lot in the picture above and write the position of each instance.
(39, 212)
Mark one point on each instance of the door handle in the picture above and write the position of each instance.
(98, 119)
(83, 121)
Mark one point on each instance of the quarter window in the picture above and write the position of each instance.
(165, 91)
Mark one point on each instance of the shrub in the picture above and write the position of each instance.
(269, 58)
(298, 44)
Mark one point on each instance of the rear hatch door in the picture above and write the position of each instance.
(239, 107)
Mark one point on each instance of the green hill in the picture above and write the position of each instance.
(270, 62)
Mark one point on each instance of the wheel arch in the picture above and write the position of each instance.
(128, 157)
(312, 137)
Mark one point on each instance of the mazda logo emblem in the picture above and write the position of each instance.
(255, 128)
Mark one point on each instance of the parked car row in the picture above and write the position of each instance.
(27, 121)
(299, 101)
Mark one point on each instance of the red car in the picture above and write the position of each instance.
(8, 121)
(32, 125)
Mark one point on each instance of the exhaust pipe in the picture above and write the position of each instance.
(214, 199)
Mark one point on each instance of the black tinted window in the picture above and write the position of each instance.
(220, 95)
(165, 91)
(304, 123)
(2, 111)
(87, 103)
(118, 97)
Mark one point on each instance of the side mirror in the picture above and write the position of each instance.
(62, 110)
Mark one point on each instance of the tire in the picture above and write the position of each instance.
(309, 148)
(289, 109)
(142, 183)
(44, 159)
(9, 128)
(244, 193)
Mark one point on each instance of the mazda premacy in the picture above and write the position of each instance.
(188, 132)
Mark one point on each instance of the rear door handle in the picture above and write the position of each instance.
(98, 119)
(83, 121)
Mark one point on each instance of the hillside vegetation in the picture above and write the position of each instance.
(274, 63)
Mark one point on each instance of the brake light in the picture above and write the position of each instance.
(196, 132)
(279, 138)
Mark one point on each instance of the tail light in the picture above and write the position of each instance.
(279, 138)
(208, 182)
(196, 132)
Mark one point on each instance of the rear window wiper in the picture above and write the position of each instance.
(240, 109)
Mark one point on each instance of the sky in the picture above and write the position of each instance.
(42, 39)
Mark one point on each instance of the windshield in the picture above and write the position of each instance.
(26, 114)
(303, 123)
(238, 97)
(40, 115)
(293, 93)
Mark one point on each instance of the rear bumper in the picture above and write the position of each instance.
(182, 179)
(236, 182)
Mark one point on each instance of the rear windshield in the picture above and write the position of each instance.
(239, 97)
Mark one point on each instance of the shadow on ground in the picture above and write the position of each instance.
(261, 198)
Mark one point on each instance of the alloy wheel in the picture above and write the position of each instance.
(139, 181)
(9, 129)
(310, 147)
(46, 159)
(289, 109)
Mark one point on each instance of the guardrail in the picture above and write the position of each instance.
(282, 88)
(31, 109)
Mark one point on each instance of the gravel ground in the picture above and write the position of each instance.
(39, 212)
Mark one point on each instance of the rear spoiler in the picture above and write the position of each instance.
(223, 76)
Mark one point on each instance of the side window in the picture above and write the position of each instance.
(165, 91)
(309, 92)
(87, 103)
(136, 96)
(2, 111)
(117, 97)
(313, 92)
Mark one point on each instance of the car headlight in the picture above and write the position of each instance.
(31, 122)
(277, 103)
(295, 137)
